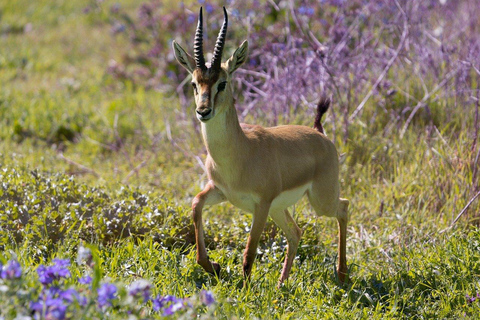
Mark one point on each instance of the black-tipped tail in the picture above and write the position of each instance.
(322, 107)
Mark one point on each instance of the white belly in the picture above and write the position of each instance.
(244, 201)
(288, 198)
(248, 201)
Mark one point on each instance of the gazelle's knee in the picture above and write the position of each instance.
(295, 236)
(342, 212)
(197, 206)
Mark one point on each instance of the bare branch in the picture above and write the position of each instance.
(422, 102)
(388, 66)
(135, 170)
(465, 208)
(83, 168)
(254, 73)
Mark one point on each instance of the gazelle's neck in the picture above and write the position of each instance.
(223, 136)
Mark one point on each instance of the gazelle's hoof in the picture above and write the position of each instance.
(216, 269)
(279, 284)
(342, 276)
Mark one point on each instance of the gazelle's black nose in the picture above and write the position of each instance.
(204, 112)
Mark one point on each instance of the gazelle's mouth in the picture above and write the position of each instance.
(205, 116)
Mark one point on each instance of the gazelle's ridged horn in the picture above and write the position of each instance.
(217, 52)
(198, 43)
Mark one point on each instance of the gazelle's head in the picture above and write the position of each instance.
(211, 84)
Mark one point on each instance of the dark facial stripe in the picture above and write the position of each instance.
(206, 77)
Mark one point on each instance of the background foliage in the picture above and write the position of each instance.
(99, 146)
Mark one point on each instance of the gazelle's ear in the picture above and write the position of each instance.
(238, 58)
(183, 57)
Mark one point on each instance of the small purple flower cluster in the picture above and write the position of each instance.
(168, 304)
(53, 301)
(85, 279)
(11, 270)
(306, 11)
(140, 288)
(59, 270)
(106, 293)
(472, 299)
(207, 297)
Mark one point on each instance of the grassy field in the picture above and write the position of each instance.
(91, 161)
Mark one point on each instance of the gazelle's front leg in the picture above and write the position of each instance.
(259, 219)
(209, 195)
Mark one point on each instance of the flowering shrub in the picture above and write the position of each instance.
(398, 54)
(59, 299)
(58, 201)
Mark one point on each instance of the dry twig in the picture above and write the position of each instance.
(83, 168)
(387, 67)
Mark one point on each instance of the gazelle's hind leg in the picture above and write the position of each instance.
(285, 222)
(342, 217)
(325, 202)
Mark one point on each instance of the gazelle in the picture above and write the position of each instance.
(259, 170)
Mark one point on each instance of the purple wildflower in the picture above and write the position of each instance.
(473, 298)
(85, 279)
(174, 307)
(44, 275)
(174, 304)
(50, 308)
(209, 8)
(56, 309)
(53, 302)
(235, 13)
(106, 293)
(158, 303)
(60, 269)
(11, 270)
(191, 18)
(57, 271)
(68, 295)
(307, 11)
(71, 295)
(207, 297)
(140, 288)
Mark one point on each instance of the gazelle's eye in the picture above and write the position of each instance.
(222, 86)
(194, 87)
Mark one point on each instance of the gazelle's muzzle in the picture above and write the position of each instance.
(204, 108)
(204, 114)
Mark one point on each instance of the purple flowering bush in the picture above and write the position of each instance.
(55, 295)
(391, 57)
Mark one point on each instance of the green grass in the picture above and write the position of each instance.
(87, 159)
